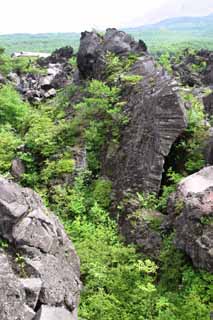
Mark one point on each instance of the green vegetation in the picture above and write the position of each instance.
(119, 284)
(18, 65)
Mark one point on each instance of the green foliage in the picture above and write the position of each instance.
(101, 116)
(207, 220)
(195, 137)
(57, 168)
(4, 244)
(164, 60)
(12, 109)
(118, 283)
(23, 65)
(8, 144)
(116, 68)
(130, 79)
(5, 63)
(102, 192)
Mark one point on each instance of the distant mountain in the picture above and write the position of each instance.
(174, 8)
(199, 25)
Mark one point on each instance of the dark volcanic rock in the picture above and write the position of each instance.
(195, 69)
(61, 55)
(46, 257)
(156, 119)
(90, 56)
(208, 104)
(191, 215)
(141, 228)
(93, 47)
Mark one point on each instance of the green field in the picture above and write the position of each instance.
(169, 35)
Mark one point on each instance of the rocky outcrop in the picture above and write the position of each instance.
(61, 55)
(58, 73)
(191, 217)
(194, 69)
(39, 266)
(141, 227)
(93, 47)
(156, 119)
(156, 115)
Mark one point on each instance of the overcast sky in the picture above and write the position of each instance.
(36, 16)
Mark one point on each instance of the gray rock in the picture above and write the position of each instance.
(93, 47)
(17, 168)
(12, 295)
(45, 250)
(156, 119)
(121, 43)
(191, 216)
(141, 227)
(208, 104)
(32, 287)
(52, 313)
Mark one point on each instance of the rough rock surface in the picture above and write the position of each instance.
(93, 47)
(17, 168)
(208, 104)
(195, 69)
(156, 118)
(37, 87)
(12, 295)
(191, 215)
(53, 313)
(60, 55)
(141, 227)
(39, 251)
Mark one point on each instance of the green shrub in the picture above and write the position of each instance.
(8, 145)
(102, 192)
(57, 168)
(12, 109)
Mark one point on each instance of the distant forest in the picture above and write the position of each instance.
(169, 35)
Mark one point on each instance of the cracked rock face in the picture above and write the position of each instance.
(191, 216)
(156, 119)
(39, 266)
(93, 47)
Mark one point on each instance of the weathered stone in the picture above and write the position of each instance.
(156, 119)
(90, 56)
(93, 47)
(46, 252)
(32, 287)
(208, 104)
(140, 227)
(17, 168)
(60, 55)
(52, 313)
(191, 216)
(12, 295)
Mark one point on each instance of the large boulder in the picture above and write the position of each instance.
(93, 48)
(40, 262)
(190, 212)
(156, 119)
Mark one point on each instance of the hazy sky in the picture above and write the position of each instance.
(36, 16)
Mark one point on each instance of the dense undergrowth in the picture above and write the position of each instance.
(119, 284)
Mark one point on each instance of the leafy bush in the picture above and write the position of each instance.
(12, 109)
(8, 145)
